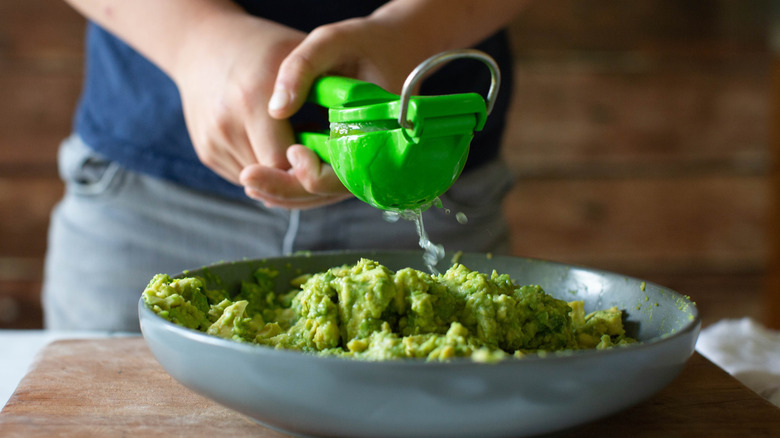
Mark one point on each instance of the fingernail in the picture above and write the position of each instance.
(293, 159)
(279, 100)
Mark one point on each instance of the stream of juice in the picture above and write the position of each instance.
(433, 253)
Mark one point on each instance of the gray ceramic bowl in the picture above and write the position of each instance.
(324, 396)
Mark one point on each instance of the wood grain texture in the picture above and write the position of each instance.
(672, 224)
(639, 115)
(771, 295)
(41, 32)
(41, 58)
(115, 387)
(26, 202)
(20, 306)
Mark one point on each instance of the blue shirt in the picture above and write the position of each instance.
(130, 111)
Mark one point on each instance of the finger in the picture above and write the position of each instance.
(241, 148)
(278, 184)
(223, 164)
(309, 176)
(243, 123)
(234, 146)
(223, 135)
(301, 204)
(276, 188)
(317, 54)
(269, 140)
(273, 182)
(314, 175)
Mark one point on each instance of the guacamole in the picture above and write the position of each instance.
(367, 311)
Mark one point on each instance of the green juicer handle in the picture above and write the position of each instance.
(316, 141)
(339, 92)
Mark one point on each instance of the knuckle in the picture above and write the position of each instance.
(324, 32)
(297, 64)
(332, 32)
(310, 185)
(207, 150)
(314, 185)
(208, 157)
(221, 123)
(245, 98)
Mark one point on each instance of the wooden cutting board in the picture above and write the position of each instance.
(115, 387)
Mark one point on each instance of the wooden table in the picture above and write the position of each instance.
(115, 387)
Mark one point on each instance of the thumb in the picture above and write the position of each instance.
(316, 55)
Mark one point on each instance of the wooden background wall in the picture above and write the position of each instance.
(641, 141)
(639, 137)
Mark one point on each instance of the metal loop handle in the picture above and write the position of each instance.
(425, 66)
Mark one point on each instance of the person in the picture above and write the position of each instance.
(183, 151)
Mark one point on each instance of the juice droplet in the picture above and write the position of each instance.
(343, 129)
(461, 218)
(391, 216)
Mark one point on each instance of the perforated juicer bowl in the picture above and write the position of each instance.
(416, 180)
(422, 144)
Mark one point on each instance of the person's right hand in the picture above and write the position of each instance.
(225, 75)
(224, 62)
(226, 78)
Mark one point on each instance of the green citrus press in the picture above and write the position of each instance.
(399, 152)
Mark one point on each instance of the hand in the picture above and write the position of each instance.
(362, 48)
(356, 48)
(224, 63)
(225, 79)
(308, 183)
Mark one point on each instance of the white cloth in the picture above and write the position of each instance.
(746, 350)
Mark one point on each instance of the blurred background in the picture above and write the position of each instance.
(641, 136)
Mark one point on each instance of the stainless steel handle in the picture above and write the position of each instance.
(440, 58)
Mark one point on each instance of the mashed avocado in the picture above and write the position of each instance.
(366, 311)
